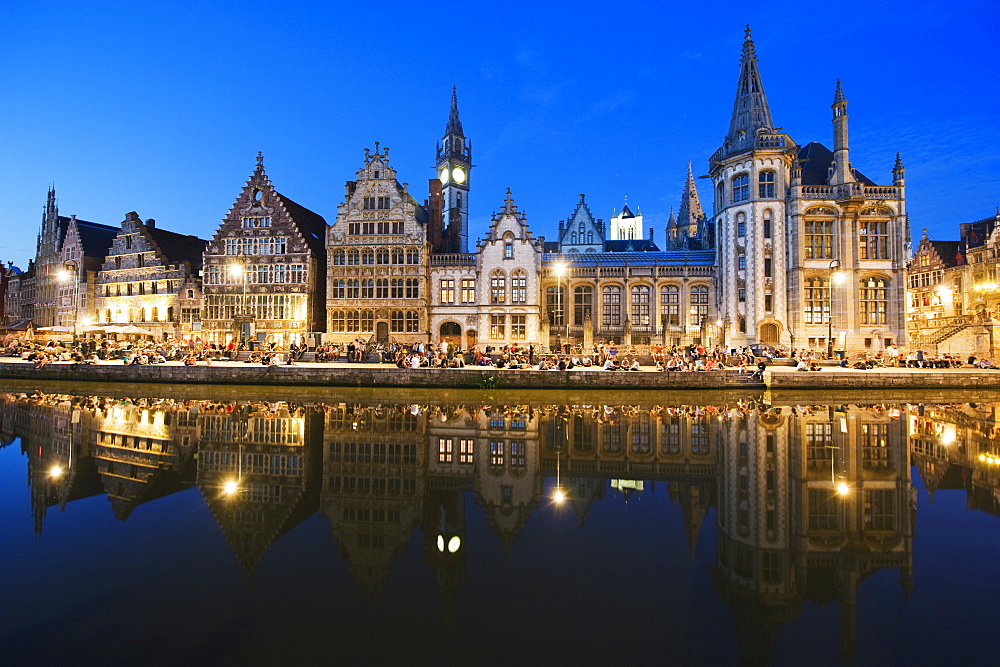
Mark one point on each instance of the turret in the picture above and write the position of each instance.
(841, 167)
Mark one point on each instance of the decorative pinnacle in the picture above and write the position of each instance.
(260, 158)
(508, 204)
(838, 96)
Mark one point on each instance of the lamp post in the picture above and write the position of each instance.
(67, 273)
(835, 277)
(559, 269)
(239, 269)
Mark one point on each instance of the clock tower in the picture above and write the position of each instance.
(454, 163)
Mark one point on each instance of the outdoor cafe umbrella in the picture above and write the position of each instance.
(55, 329)
(139, 331)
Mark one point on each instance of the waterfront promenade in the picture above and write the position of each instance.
(342, 374)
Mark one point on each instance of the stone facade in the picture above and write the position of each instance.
(378, 259)
(264, 269)
(143, 275)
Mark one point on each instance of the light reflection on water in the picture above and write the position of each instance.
(498, 527)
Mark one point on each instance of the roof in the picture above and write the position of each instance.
(178, 247)
(658, 258)
(631, 245)
(816, 159)
(626, 212)
(96, 238)
(947, 251)
(312, 225)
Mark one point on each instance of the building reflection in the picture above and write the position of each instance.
(808, 500)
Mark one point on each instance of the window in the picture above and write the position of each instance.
(741, 225)
(508, 251)
(397, 256)
(354, 289)
(367, 256)
(873, 300)
(879, 509)
(396, 288)
(468, 290)
(412, 321)
(518, 327)
(555, 304)
(611, 297)
(699, 304)
(765, 185)
(338, 288)
(368, 288)
(767, 224)
(519, 287)
(640, 305)
(444, 450)
(367, 320)
(873, 240)
(767, 267)
(496, 453)
(382, 256)
(498, 287)
(412, 288)
(741, 188)
(819, 239)
(396, 321)
(413, 256)
(497, 325)
(381, 288)
(376, 203)
(670, 305)
(466, 447)
(353, 258)
(583, 303)
(448, 290)
(742, 263)
(817, 301)
(768, 303)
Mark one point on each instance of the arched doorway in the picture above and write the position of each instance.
(470, 339)
(451, 332)
(769, 333)
(382, 332)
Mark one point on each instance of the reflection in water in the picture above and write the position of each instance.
(810, 499)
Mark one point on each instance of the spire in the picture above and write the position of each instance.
(842, 171)
(750, 110)
(838, 96)
(671, 221)
(454, 124)
(508, 205)
(691, 211)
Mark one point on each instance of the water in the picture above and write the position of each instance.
(314, 525)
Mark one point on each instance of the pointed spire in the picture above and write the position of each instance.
(454, 124)
(838, 96)
(671, 221)
(508, 205)
(750, 110)
(690, 211)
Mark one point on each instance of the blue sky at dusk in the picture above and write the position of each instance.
(161, 107)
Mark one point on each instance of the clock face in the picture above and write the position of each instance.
(458, 174)
(443, 176)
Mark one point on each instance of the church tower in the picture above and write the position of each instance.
(750, 173)
(691, 217)
(454, 164)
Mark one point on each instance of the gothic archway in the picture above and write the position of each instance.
(768, 333)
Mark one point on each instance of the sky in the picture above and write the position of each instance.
(161, 108)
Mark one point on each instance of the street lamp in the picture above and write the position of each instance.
(67, 273)
(560, 269)
(836, 277)
(239, 270)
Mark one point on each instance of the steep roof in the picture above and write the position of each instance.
(96, 238)
(312, 225)
(658, 258)
(631, 245)
(815, 159)
(179, 247)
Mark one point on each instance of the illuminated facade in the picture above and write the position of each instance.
(145, 274)
(263, 273)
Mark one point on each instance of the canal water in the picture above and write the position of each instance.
(195, 525)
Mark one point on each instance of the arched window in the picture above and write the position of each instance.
(412, 256)
(765, 185)
(154, 314)
(640, 305)
(720, 196)
(817, 300)
(741, 324)
(670, 306)
(873, 299)
(699, 304)
(741, 225)
(354, 289)
(412, 288)
(498, 287)
(397, 255)
(382, 256)
(339, 257)
(741, 188)
(611, 304)
(583, 303)
(338, 323)
(353, 257)
(766, 219)
(573, 235)
(107, 315)
(412, 321)
(382, 288)
(873, 239)
(519, 287)
(368, 289)
(170, 313)
(590, 237)
(353, 320)
(818, 233)
(338, 289)
(367, 256)
(367, 320)
(118, 262)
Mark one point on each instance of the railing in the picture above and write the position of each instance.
(454, 259)
(818, 191)
(881, 192)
